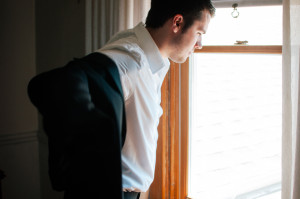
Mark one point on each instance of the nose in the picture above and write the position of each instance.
(198, 44)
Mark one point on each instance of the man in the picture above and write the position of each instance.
(94, 152)
(173, 30)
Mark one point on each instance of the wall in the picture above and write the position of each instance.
(60, 32)
(18, 119)
(35, 36)
(60, 36)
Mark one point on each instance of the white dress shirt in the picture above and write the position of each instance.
(142, 70)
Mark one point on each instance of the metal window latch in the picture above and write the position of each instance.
(241, 42)
(235, 13)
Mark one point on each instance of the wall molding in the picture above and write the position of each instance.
(18, 138)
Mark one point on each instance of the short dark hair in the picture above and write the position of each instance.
(162, 10)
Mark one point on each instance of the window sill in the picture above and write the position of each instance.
(271, 49)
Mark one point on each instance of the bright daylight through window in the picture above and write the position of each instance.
(235, 110)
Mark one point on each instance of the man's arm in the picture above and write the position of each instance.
(84, 142)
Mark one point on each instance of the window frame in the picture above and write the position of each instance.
(171, 173)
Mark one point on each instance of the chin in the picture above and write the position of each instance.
(178, 60)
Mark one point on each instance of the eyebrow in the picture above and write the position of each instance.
(203, 31)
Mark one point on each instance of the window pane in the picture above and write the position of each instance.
(235, 126)
(258, 25)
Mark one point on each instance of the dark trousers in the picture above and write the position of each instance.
(131, 195)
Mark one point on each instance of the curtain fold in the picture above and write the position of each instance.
(104, 18)
(291, 100)
(132, 12)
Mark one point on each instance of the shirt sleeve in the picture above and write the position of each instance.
(127, 85)
(127, 66)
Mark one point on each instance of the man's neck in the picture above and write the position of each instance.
(160, 37)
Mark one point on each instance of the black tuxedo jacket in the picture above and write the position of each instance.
(83, 115)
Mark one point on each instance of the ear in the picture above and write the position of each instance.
(177, 23)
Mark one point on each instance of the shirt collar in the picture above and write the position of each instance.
(147, 44)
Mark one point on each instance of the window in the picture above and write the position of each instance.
(261, 25)
(235, 109)
(235, 131)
